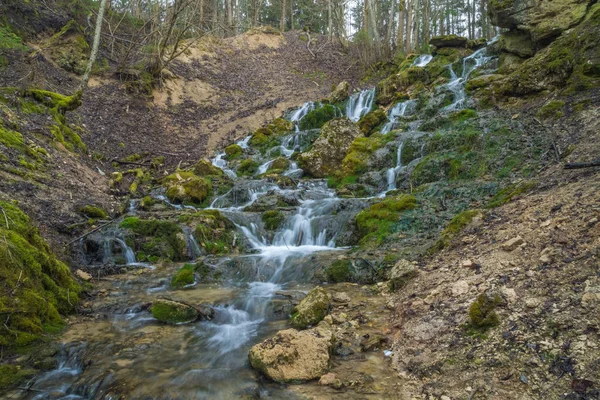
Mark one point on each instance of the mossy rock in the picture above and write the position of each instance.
(205, 168)
(39, 288)
(552, 110)
(156, 238)
(448, 41)
(508, 193)
(372, 120)
(187, 188)
(92, 211)
(247, 167)
(482, 313)
(184, 277)
(173, 312)
(312, 309)
(212, 231)
(272, 219)
(356, 160)
(340, 271)
(376, 222)
(233, 151)
(280, 163)
(319, 116)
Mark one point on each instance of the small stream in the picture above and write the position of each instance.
(122, 349)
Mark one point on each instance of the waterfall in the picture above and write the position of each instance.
(457, 83)
(300, 113)
(392, 173)
(399, 110)
(219, 162)
(193, 248)
(422, 60)
(359, 104)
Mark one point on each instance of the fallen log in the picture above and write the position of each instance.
(578, 165)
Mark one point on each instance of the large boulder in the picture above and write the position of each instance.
(330, 148)
(543, 20)
(187, 188)
(448, 41)
(312, 309)
(340, 93)
(293, 356)
(517, 42)
(205, 168)
(173, 312)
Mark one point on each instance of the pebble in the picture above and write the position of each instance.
(460, 287)
(513, 243)
(83, 275)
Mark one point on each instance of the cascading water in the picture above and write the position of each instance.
(360, 104)
(457, 83)
(422, 60)
(300, 113)
(399, 110)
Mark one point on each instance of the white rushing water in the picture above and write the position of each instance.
(399, 110)
(360, 104)
(457, 83)
(422, 60)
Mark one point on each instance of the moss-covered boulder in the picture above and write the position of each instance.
(517, 42)
(330, 148)
(340, 93)
(339, 271)
(37, 288)
(543, 20)
(186, 187)
(293, 356)
(312, 309)
(376, 222)
(371, 121)
(233, 151)
(213, 232)
(247, 167)
(272, 219)
(356, 160)
(319, 116)
(206, 168)
(280, 163)
(482, 313)
(154, 239)
(184, 277)
(448, 41)
(173, 312)
(93, 211)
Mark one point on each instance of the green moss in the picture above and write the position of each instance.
(482, 314)
(92, 211)
(311, 310)
(552, 109)
(507, 194)
(377, 222)
(233, 151)
(319, 116)
(214, 233)
(147, 202)
(272, 219)
(356, 160)
(173, 312)
(186, 187)
(247, 167)
(156, 238)
(340, 271)
(456, 225)
(8, 40)
(205, 168)
(463, 115)
(11, 375)
(36, 287)
(372, 120)
(280, 163)
(185, 276)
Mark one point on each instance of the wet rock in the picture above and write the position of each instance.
(340, 93)
(293, 356)
(173, 312)
(205, 168)
(312, 309)
(513, 243)
(373, 341)
(330, 148)
(83, 275)
(518, 43)
(330, 379)
(401, 274)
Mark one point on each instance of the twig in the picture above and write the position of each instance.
(5, 218)
(130, 162)
(595, 163)
(89, 233)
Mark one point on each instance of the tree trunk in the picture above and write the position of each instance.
(292, 14)
(329, 20)
(282, 22)
(366, 17)
(483, 20)
(201, 18)
(409, 26)
(426, 22)
(95, 45)
(401, 26)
